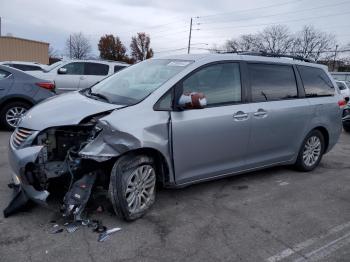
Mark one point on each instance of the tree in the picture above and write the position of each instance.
(140, 47)
(312, 43)
(276, 39)
(112, 48)
(53, 53)
(78, 46)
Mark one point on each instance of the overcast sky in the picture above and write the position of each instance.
(167, 22)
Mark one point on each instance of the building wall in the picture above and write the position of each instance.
(18, 49)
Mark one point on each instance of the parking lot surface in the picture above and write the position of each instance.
(276, 214)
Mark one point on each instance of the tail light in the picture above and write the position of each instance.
(46, 85)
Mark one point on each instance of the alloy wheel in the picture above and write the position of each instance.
(140, 188)
(14, 115)
(312, 151)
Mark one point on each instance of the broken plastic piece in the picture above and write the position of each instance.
(77, 197)
(72, 227)
(18, 201)
(56, 229)
(106, 235)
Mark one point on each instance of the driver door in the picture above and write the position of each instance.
(212, 141)
(69, 81)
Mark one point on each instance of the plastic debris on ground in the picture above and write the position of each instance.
(106, 235)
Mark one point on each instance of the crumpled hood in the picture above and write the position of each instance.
(66, 109)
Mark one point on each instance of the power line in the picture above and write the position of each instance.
(285, 13)
(275, 23)
(250, 9)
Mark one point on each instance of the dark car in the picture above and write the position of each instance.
(19, 91)
(346, 117)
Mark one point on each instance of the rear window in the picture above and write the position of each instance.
(96, 69)
(118, 68)
(272, 82)
(26, 67)
(316, 82)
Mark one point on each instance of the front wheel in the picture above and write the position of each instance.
(132, 186)
(311, 151)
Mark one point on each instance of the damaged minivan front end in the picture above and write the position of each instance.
(64, 152)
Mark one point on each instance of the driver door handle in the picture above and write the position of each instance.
(260, 113)
(240, 116)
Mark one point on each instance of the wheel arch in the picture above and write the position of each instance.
(12, 99)
(161, 164)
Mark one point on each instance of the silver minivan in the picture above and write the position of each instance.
(176, 121)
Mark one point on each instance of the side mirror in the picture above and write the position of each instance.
(192, 100)
(62, 71)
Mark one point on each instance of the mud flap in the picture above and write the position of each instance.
(18, 201)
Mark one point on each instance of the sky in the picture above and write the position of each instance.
(168, 22)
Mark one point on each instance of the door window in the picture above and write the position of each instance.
(75, 68)
(96, 69)
(4, 74)
(220, 83)
(24, 67)
(316, 82)
(272, 82)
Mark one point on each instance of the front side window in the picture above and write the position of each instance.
(76, 68)
(272, 82)
(134, 83)
(220, 83)
(4, 74)
(96, 69)
(316, 82)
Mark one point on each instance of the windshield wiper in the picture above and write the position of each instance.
(98, 95)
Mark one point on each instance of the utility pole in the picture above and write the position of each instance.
(335, 55)
(189, 38)
(70, 46)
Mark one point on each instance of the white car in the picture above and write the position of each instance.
(24, 66)
(78, 74)
(344, 88)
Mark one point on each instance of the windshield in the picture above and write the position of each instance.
(133, 84)
(341, 86)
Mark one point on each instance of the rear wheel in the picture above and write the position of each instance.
(132, 186)
(11, 114)
(311, 151)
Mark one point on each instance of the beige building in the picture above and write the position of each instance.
(19, 49)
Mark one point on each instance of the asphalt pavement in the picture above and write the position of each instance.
(276, 214)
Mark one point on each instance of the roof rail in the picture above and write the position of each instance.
(261, 53)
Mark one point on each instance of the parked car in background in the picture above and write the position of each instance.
(25, 66)
(177, 120)
(79, 74)
(344, 88)
(19, 91)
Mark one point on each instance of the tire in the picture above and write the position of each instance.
(346, 128)
(126, 184)
(10, 110)
(304, 162)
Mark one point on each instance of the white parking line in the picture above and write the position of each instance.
(298, 247)
(326, 250)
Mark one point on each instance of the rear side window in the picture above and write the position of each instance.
(96, 69)
(4, 74)
(118, 68)
(272, 82)
(316, 82)
(220, 83)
